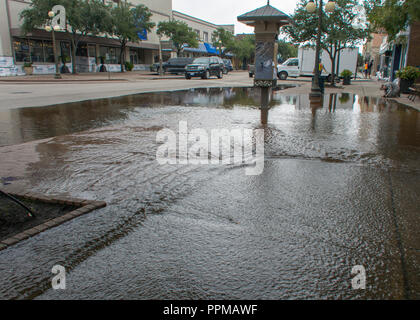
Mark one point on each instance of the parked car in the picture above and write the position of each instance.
(177, 65)
(228, 66)
(205, 67)
(155, 67)
(251, 70)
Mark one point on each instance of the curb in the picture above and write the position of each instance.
(84, 207)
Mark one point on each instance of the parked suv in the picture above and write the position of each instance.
(228, 66)
(177, 65)
(205, 67)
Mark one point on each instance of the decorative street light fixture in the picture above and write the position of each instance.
(311, 8)
(53, 29)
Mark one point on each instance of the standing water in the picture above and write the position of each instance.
(339, 177)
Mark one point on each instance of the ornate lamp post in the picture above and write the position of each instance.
(311, 8)
(53, 29)
(267, 22)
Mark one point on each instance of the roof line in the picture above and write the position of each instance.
(217, 25)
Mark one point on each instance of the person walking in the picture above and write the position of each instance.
(370, 68)
(365, 69)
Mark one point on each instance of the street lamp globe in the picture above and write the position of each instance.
(311, 7)
(51, 14)
(330, 6)
(48, 28)
(57, 28)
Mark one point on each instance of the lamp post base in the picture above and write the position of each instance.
(57, 76)
(315, 92)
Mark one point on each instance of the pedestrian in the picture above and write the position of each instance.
(365, 69)
(370, 68)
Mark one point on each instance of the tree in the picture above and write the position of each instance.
(340, 29)
(392, 15)
(82, 18)
(180, 34)
(243, 48)
(222, 38)
(127, 22)
(287, 50)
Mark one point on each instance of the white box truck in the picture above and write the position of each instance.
(303, 65)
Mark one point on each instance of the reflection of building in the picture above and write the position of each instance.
(36, 47)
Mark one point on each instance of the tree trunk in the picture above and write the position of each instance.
(74, 46)
(333, 59)
(122, 56)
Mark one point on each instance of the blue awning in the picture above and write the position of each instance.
(211, 49)
(201, 49)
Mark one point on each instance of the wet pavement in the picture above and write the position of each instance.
(340, 188)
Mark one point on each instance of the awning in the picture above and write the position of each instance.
(201, 49)
(211, 49)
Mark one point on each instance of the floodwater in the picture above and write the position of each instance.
(340, 188)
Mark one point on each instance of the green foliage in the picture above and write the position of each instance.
(82, 18)
(408, 73)
(346, 73)
(338, 29)
(179, 32)
(129, 66)
(126, 22)
(27, 64)
(37, 14)
(222, 38)
(64, 59)
(243, 48)
(287, 50)
(392, 15)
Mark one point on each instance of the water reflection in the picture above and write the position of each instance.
(343, 125)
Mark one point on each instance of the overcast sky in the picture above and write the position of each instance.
(227, 11)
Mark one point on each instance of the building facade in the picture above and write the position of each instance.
(37, 47)
(397, 54)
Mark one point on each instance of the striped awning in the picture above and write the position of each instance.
(201, 49)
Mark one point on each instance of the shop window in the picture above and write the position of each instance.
(134, 58)
(37, 50)
(48, 52)
(33, 50)
(82, 50)
(137, 56)
(22, 51)
(66, 51)
(111, 55)
(92, 51)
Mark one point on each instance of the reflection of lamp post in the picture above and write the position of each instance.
(53, 29)
(311, 8)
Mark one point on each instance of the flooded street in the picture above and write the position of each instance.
(340, 188)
